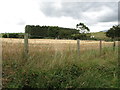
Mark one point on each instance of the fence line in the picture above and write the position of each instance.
(26, 46)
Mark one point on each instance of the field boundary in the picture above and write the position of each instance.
(26, 45)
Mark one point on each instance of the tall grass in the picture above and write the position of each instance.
(52, 68)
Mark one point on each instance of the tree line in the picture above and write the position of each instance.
(52, 32)
(81, 32)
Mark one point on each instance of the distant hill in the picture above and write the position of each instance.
(104, 31)
(100, 35)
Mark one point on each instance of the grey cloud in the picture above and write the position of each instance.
(111, 17)
(71, 9)
(75, 9)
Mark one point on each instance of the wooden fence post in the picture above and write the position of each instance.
(78, 47)
(100, 47)
(26, 45)
(114, 45)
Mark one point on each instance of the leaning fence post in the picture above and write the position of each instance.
(78, 47)
(100, 47)
(26, 45)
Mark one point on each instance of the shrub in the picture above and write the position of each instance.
(13, 35)
(4, 35)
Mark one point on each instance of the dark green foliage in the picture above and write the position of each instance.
(71, 76)
(83, 32)
(49, 31)
(12, 35)
(4, 35)
(55, 32)
(55, 78)
(82, 28)
(114, 32)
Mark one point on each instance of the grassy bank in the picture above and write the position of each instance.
(100, 35)
(59, 69)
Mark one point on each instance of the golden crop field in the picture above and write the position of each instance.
(56, 43)
(16, 46)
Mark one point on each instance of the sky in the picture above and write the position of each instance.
(98, 15)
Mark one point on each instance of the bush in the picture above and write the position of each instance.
(79, 36)
(13, 35)
(4, 35)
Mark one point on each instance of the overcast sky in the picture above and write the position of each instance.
(97, 15)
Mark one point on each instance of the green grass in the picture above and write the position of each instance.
(50, 69)
(100, 35)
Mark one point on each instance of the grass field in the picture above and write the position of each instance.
(100, 35)
(56, 64)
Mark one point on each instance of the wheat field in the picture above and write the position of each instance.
(57, 44)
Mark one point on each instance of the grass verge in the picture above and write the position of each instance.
(61, 69)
